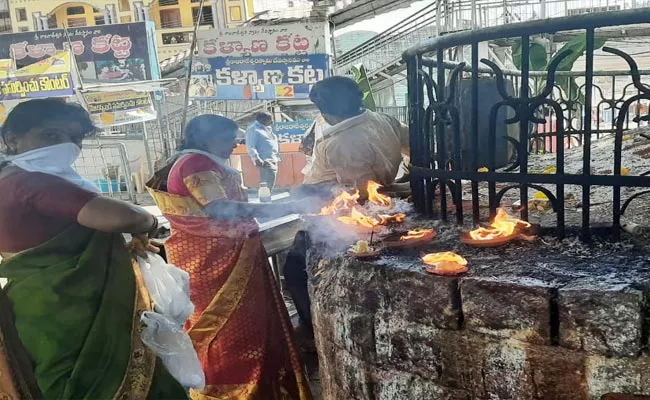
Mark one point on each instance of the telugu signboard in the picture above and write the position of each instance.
(291, 132)
(47, 78)
(106, 53)
(119, 108)
(258, 78)
(287, 39)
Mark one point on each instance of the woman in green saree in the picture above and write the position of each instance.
(70, 313)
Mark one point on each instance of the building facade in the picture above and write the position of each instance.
(174, 19)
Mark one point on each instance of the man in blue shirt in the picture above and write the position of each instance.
(263, 148)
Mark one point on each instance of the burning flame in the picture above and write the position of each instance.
(345, 207)
(358, 218)
(343, 202)
(416, 234)
(389, 219)
(503, 225)
(375, 197)
(446, 263)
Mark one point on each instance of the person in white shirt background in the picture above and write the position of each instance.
(263, 148)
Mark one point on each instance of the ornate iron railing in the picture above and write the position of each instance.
(444, 128)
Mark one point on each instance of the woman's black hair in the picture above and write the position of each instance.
(206, 126)
(337, 96)
(38, 112)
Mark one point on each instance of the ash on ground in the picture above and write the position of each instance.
(635, 154)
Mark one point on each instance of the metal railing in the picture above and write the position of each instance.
(107, 165)
(443, 17)
(452, 140)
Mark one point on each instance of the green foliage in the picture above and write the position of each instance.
(361, 77)
(539, 61)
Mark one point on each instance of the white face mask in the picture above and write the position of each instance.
(54, 160)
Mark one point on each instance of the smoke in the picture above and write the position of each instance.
(332, 238)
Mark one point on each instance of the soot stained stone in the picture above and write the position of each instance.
(537, 321)
(509, 308)
(601, 318)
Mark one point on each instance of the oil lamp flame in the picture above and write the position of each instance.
(445, 263)
(375, 197)
(391, 219)
(503, 225)
(358, 218)
(343, 202)
(416, 234)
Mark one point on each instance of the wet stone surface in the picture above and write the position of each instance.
(544, 320)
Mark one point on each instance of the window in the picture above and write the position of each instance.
(75, 10)
(21, 14)
(125, 20)
(168, 2)
(170, 18)
(100, 20)
(51, 21)
(235, 14)
(125, 5)
(177, 37)
(23, 29)
(206, 17)
(76, 22)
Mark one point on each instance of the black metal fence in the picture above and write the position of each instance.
(462, 116)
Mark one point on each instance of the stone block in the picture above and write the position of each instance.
(555, 373)
(517, 308)
(628, 375)
(351, 331)
(601, 318)
(343, 370)
(349, 284)
(491, 368)
(422, 298)
(393, 385)
(462, 357)
(407, 346)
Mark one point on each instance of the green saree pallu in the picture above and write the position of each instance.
(76, 302)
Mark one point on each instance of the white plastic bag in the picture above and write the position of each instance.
(169, 288)
(174, 347)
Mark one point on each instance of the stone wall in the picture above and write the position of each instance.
(386, 331)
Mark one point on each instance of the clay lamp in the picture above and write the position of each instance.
(501, 231)
(445, 263)
(362, 249)
(413, 238)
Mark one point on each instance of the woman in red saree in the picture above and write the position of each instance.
(240, 329)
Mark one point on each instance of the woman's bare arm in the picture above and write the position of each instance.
(109, 215)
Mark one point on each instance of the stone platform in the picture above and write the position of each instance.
(544, 320)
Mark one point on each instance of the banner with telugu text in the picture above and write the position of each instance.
(257, 78)
(51, 77)
(291, 131)
(119, 108)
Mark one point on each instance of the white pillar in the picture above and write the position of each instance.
(474, 26)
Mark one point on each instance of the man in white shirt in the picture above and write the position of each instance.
(263, 148)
